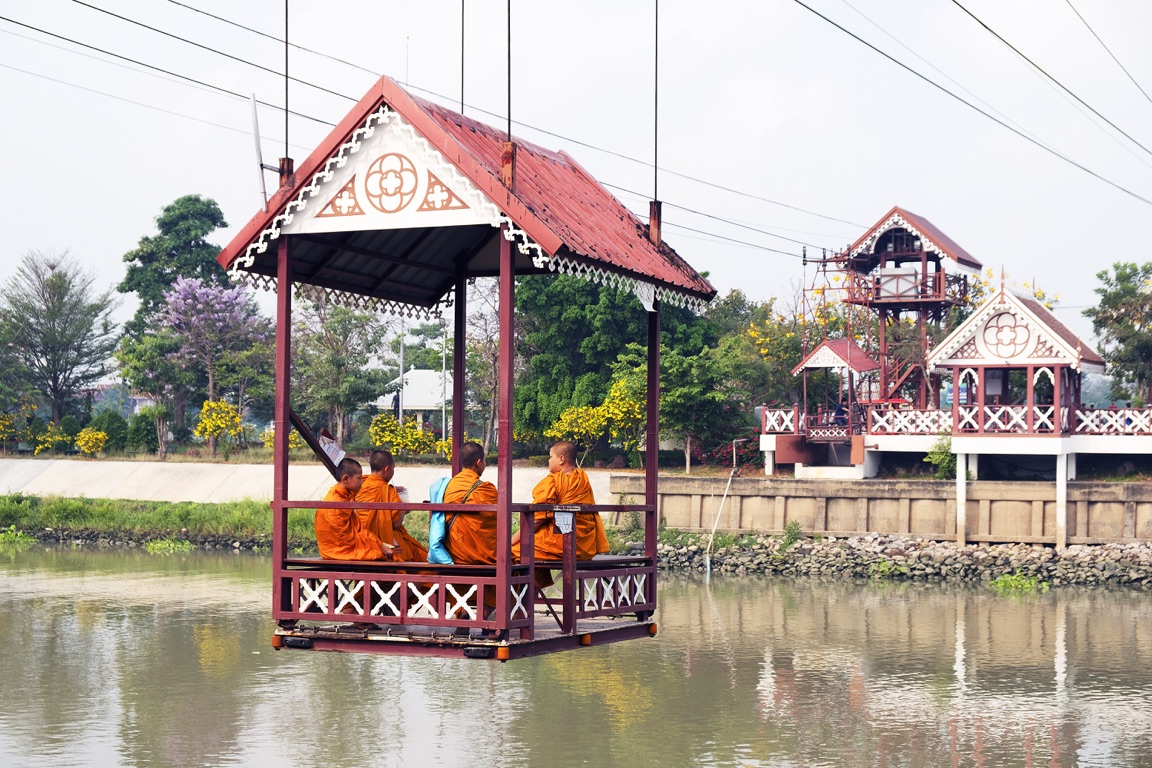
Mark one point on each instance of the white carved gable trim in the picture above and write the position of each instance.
(894, 221)
(1004, 331)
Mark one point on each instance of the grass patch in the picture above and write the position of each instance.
(169, 546)
(185, 520)
(1017, 583)
(12, 540)
(792, 534)
(884, 569)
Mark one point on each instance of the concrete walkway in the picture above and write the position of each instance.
(215, 483)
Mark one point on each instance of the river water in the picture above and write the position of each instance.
(128, 659)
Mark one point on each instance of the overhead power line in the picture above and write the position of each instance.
(1109, 50)
(1044, 72)
(972, 106)
(216, 89)
(162, 70)
(244, 131)
(216, 51)
(544, 131)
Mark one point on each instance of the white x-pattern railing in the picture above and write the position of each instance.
(1118, 421)
(606, 593)
(780, 421)
(887, 421)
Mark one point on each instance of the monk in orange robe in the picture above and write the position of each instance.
(339, 533)
(565, 484)
(471, 537)
(388, 525)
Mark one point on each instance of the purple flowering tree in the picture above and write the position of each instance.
(217, 330)
(212, 324)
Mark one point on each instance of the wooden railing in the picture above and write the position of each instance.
(780, 421)
(971, 419)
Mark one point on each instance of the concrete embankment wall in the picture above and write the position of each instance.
(217, 483)
(996, 511)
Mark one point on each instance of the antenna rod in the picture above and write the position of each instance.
(285, 78)
(260, 167)
(509, 70)
(656, 106)
(461, 56)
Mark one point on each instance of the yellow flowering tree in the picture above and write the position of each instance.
(583, 425)
(624, 412)
(53, 438)
(405, 439)
(7, 429)
(219, 421)
(268, 437)
(91, 441)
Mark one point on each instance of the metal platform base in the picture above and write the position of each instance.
(417, 640)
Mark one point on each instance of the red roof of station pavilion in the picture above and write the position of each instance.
(558, 204)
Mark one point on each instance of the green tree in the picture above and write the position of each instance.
(112, 424)
(334, 374)
(149, 365)
(142, 433)
(61, 326)
(15, 378)
(570, 333)
(698, 402)
(180, 249)
(1122, 321)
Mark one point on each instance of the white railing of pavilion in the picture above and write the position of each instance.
(887, 421)
(1114, 421)
(779, 421)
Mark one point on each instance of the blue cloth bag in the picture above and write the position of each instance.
(438, 526)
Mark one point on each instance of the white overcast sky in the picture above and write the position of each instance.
(757, 96)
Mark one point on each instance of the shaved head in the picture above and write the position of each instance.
(380, 459)
(470, 453)
(565, 449)
(349, 467)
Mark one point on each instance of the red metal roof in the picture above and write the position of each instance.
(1044, 315)
(556, 202)
(945, 244)
(847, 351)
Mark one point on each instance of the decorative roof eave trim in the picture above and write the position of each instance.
(896, 220)
(354, 301)
(646, 291)
(338, 159)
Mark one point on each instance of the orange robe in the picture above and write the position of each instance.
(472, 537)
(339, 533)
(566, 488)
(386, 524)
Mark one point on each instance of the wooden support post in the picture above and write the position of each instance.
(652, 432)
(281, 420)
(459, 352)
(504, 428)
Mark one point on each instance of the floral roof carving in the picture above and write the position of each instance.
(1014, 331)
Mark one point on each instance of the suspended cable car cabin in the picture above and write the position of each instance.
(396, 211)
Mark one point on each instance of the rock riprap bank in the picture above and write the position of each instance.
(897, 557)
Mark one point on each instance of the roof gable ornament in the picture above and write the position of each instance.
(1011, 330)
(894, 221)
(931, 239)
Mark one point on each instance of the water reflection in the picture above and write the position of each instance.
(129, 659)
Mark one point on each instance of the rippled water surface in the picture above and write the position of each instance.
(130, 659)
